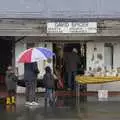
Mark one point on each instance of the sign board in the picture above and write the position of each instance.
(71, 27)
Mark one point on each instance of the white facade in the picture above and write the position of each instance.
(113, 86)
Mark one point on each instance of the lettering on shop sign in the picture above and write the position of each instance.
(72, 27)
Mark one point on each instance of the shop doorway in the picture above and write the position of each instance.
(61, 49)
(6, 48)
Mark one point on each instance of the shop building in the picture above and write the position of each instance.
(27, 23)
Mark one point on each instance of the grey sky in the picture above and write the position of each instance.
(49, 8)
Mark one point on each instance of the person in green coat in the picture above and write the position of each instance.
(10, 80)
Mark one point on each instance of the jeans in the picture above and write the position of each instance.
(30, 90)
(49, 94)
(71, 81)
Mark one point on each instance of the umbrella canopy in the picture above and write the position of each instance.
(35, 54)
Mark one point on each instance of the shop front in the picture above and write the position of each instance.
(100, 41)
(95, 37)
(61, 37)
(101, 38)
(92, 28)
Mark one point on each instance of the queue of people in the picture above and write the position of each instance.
(31, 72)
(30, 77)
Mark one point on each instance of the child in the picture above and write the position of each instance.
(11, 85)
(48, 80)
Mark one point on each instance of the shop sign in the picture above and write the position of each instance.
(71, 27)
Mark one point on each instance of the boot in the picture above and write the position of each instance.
(8, 101)
(13, 100)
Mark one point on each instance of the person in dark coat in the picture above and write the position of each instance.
(10, 80)
(71, 62)
(30, 76)
(49, 84)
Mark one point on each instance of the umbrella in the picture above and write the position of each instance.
(35, 54)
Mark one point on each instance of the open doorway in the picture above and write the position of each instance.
(61, 49)
(5, 58)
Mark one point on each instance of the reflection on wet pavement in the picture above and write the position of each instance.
(66, 108)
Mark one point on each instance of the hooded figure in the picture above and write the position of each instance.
(10, 80)
(71, 61)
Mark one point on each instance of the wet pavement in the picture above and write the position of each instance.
(66, 108)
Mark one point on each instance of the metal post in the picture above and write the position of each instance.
(77, 93)
(78, 97)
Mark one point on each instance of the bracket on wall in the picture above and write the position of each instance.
(21, 38)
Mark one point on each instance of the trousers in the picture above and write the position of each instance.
(30, 90)
(71, 79)
(49, 94)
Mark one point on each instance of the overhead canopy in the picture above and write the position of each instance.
(59, 9)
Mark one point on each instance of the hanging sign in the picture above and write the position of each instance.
(71, 27)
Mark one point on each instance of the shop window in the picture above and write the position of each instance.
(45, 45)
(108, 55)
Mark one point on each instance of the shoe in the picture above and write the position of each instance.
(35, 103)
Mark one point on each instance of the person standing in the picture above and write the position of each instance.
(10, 80)
(30, 76)
(71, 62)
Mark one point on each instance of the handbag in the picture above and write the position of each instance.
(60, 83)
